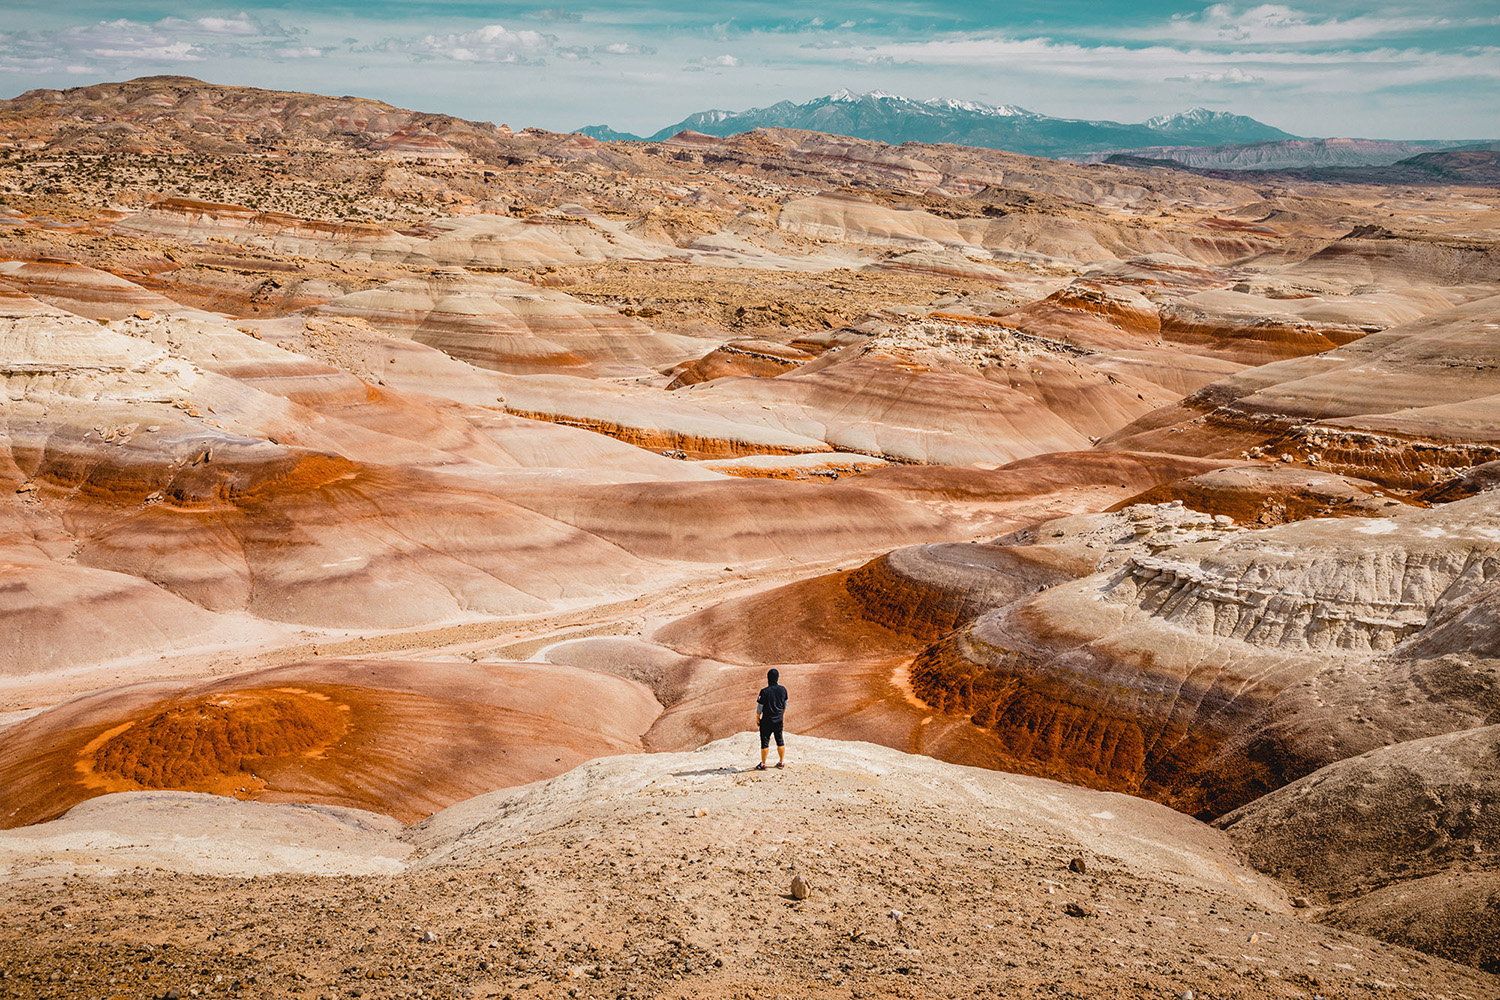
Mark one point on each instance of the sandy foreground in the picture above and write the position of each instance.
(671, 875)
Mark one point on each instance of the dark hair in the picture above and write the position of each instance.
(771, 675)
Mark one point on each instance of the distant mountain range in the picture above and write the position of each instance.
(1285, 154)
(890, 118)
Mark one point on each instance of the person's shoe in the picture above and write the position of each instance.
(781, 763)
(761, 766)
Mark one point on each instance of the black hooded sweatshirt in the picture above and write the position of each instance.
(772, 701)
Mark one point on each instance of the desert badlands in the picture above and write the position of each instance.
(399, 515)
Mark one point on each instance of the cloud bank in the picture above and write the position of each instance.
(1370, 68)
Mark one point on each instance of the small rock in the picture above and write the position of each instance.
(895, 914)
(1078, 865)
(699, 813)
(144, 314)
(1188, 995)
(1301, 902)
(1077, 910)
(800, 888)
(427, 937)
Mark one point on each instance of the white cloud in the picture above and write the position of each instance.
(557, 14)
(1343, 69)
(1232, 75)
(146, 52)
(125, 44)
(725, 60)
(241, 25)
(1278, 24)
(493, 43)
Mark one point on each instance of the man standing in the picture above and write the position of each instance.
(770, 708)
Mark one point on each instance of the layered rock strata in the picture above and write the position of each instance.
(1205, 669)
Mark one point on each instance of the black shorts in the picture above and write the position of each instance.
(769, 729)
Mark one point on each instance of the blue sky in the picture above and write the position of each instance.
(1367, 69)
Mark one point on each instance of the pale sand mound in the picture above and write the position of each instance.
(81, 290)
(58, 616)
(1404, 841)
(1453, 915)
(669, 875)
(276, 232)
(853, 219)
(399, 737)
(205, 835)
(566, 236)
(827, 466)
(735, 520)
(1140, 836)
(495, 322)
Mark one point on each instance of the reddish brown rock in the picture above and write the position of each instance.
(1259, 495)
(394, 737)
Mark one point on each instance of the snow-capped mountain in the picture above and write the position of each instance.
(895, 119)
(1201, 121)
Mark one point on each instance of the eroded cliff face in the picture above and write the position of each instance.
(1408, 407)
(1205, 666)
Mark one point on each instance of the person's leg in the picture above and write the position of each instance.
(780, 747)
(765, 744)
